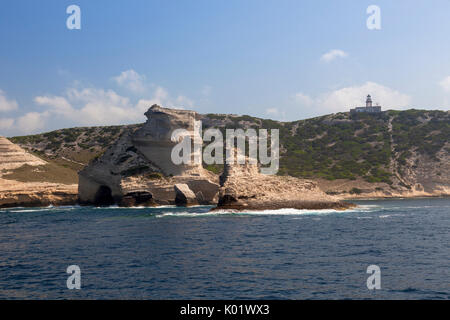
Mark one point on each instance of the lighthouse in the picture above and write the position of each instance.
(369, 101)
(369, 108)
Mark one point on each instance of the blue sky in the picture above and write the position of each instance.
(285, 60)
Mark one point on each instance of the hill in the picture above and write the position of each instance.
(386, 154)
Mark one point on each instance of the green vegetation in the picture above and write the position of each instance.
(355, 191)
(154, 175)
(50, 172)
(351, 146)
(77, 144)
(214, 168)
(339, 146)
(425, 133)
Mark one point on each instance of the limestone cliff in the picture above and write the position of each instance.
(12, 156)
(14, 193)
(140, 162)
(243, 187)
(390, 154)
(36, 194)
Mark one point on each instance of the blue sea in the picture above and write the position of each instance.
(190, 253)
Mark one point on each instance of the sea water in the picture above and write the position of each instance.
(191, 253)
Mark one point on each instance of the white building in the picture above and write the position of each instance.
(368, 108)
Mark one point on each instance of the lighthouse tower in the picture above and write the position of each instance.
(369, 108)
(369, 101)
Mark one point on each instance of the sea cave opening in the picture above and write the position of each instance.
(104, 197)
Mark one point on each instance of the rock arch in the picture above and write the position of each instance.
(103, 196)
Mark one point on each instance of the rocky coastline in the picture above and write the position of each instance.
(38, 195)
(29, 194)
(136, 170)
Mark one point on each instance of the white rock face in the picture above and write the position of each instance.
(36, 194)
(15, 193)
(183, 195)
(140, 161)
(244, 188)
(154, 141)
(12, 156)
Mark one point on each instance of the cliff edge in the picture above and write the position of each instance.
(137, 169)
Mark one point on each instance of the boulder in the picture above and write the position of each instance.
(184, 196)
(137, 198)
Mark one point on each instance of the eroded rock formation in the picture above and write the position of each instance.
(141, 161)
(244, 188)
(29, 194)
(36, 194)
(184, 196)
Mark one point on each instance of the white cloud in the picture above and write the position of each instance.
(93, 106)
(90, 106)
(303, 99)
(92, 95)
(349, 97)
(162, 98)
(31, 121)
(58, 105)
(445, 84)
(161, 94)
(276, 113)
(5, 104)
(6, 123)
(333, 54)
(182, 101)
(131, 80)
(272, 111)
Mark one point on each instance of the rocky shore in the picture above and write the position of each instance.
(138, 170)
(243, 187)
(344, 156)
(135, 169)
(36, 194)
(29, 194)
(289, 204)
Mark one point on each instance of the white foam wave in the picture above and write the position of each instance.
(291, 211)
(30, 210)
(190, 214)
(392, 215)
(285, 211)
(40, 209)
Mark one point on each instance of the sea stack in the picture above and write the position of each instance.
(141, 161)
(243, 187)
